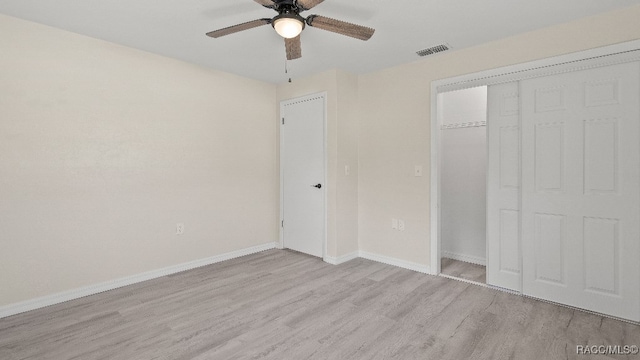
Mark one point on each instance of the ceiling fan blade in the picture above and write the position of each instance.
(267, 3)
(293, 47)
(340, 27)
(308, 4)
(236, 28)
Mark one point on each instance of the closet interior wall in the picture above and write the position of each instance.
(463, 115)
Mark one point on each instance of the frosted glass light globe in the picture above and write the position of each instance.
(287, 27)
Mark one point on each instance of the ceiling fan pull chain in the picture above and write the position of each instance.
(286, 68)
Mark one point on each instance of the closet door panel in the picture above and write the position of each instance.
(581, 189)
(503, 185)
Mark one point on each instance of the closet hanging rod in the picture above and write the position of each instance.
(464, 125)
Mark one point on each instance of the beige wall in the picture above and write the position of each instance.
(342, 149)
(395, 119)
(347, 185)
(103, 149)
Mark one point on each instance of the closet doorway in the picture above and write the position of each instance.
(463, 118)
(562, 178)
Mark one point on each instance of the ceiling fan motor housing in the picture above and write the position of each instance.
(290, 3)
(285, 5)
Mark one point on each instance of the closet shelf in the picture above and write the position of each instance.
(464, 125)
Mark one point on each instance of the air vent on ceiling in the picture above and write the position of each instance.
(433, 50)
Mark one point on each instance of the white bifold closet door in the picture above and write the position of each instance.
(504, 268)
(580, 189)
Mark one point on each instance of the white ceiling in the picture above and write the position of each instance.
(177, 29)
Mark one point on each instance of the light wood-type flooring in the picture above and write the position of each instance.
(284, 305)
(463, 270)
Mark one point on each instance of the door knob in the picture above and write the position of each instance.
(317, 186)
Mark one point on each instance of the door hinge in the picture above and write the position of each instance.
(282, 223)
(282, 121)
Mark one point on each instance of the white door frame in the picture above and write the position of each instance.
(603, 56)
(281, 150)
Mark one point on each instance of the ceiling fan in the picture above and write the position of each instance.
(289, 24)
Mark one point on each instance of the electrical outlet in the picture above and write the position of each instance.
(401, 225)
(179, 228)
(394, 224)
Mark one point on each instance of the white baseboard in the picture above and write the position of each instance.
(17, 308)
(378, 258)
(395, 262)
(33, 304)
(341, 259)
(466, 258)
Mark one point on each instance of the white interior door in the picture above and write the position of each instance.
(504, 268)
(302, 147)
(580, 189)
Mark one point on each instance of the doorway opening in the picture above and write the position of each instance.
(463, 118)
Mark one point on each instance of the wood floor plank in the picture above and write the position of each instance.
(464, 270)
(286, 305)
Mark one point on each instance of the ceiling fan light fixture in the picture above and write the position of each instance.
(288, 25)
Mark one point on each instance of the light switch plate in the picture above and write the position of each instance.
(394, 224)
(417, 170)
(401, 225)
